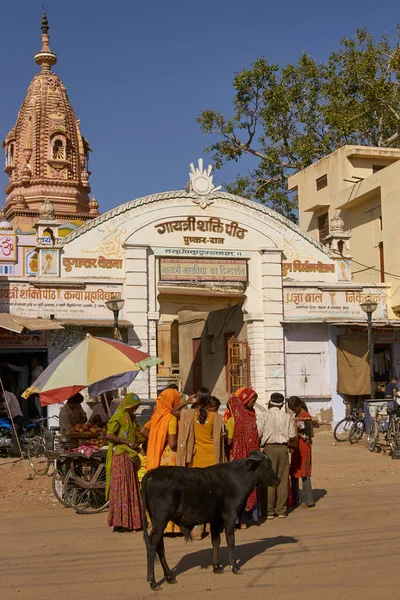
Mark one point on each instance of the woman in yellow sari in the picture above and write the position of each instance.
(122, 488)
(200, 440)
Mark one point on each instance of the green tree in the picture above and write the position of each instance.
(288, 117)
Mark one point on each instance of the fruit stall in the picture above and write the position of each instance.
(79, 478)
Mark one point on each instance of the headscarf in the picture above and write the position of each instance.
(158, 426)
(121, 425)
(244, 395)
(245, 434)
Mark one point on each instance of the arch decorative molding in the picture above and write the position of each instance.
(174, 195)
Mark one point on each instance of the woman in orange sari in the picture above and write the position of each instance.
(162, 432)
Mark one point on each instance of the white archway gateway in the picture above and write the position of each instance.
(199, 266)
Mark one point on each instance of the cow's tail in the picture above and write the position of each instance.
(145, 512)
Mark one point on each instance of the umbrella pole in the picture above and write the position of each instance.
(107, 404)
(11, 419)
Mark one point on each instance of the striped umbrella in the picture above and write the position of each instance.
(99, 364)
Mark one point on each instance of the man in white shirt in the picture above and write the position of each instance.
(277, 431)
(10, 407)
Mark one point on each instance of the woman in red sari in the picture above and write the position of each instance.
(301, 463)
(241, 438)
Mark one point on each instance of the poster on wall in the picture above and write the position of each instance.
(30, 261)
(8, 248)
(48, 262)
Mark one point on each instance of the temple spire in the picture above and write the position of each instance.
(45, 58)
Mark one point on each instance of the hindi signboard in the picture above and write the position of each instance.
(33, 339)
(313, 303)
(26, 300)
(202, 269)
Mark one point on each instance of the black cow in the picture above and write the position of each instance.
(189, 497)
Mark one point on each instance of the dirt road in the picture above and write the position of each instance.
(347, 547)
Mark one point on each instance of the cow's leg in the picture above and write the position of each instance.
(169, 576)
(230, 540)
(155, 537)
(215, 528)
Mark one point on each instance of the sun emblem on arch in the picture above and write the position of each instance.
(201, 183)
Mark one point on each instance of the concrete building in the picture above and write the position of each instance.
(355, 191)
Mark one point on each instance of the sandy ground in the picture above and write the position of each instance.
(346, 547)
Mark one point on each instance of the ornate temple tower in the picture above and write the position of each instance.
(46, 154)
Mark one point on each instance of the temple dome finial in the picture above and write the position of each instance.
(45, 23)
(45, 58)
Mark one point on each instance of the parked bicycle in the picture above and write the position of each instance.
(39, 445)
(351, 428)
(385, 421)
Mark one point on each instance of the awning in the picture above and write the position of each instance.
(95, 323)
(17, 324)
(6, 322)
(38, 324)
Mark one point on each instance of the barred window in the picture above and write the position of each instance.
(321, 182)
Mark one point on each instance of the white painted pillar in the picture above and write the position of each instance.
(136, 309)
(271, 271)
(255, 338)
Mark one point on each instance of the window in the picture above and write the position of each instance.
(376, 168)
(58, 150)
(323, 226)
(321, 182)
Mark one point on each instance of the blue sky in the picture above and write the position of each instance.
(139, 73)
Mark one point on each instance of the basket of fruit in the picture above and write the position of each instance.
(85, 431)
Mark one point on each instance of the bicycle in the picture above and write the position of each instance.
(391, 432)
(351, 428)
(39, 445)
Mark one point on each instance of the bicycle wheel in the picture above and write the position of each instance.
(373, 434)
(342, 430)
(356, 431)
(86, 488)
(60, 491)
(394, 438)
(36, 456)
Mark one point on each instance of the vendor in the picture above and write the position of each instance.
(102, 411)
(392, 389)
(72, 413)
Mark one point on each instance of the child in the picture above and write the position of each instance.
(214, 404)
(142, 458)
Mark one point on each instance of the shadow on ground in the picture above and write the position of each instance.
(244, 553)
(319, 494)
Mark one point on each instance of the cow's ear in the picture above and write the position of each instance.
(252, 463)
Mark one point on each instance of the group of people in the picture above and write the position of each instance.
(193, 434)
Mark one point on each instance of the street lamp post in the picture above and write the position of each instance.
(115, 305)
(369, 307)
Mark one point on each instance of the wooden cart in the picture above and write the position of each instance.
(79, 482)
